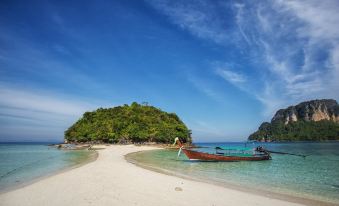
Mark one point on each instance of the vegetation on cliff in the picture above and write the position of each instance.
(315, 120)
(134, 123)
(297, 131)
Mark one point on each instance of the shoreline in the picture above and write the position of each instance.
(91, 158)
(261, 192)
(112, 180)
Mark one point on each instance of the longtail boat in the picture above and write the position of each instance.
(225, 154)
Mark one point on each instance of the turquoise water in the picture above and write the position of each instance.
(315, 177)
(22, 163)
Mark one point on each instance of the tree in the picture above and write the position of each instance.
(135, 123)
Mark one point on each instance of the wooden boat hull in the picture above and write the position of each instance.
(202, 156)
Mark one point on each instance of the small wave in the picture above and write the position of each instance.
(24, 166)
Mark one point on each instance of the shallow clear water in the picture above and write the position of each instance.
(22, 163)
(315, 177)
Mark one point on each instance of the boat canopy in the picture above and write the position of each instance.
(235, 148)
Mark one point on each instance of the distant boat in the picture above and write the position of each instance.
(231, 154)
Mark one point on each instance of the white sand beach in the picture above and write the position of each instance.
(111, 180)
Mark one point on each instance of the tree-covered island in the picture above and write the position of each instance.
(133, 123)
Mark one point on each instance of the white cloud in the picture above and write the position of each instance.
(231, 76)
(241, 21)
(321, 18)
(203, 87)
(44, 102)
(297, 48)
(31, 59)
(197, 17)
(264, 22)
(293, 45)
(27, 113)
(270, 99)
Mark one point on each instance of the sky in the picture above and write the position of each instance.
(223, 66)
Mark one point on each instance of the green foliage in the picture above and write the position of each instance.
(298, 131)
(134, 123)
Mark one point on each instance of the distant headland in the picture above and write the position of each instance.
(316, 120)
(135, 123)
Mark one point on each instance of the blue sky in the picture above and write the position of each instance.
(222, 66)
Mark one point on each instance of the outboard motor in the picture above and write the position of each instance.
(261, 149)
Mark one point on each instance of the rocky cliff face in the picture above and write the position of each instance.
(316, 120)
(315, 110)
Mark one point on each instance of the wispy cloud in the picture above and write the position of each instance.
(27, 113)
(45, 83)
(300, 61)
(231, 76)
(39, 101)
(64, 60)
(196, 17)
(320, 18)
(204, 87)
(241, 21)
(293, 46)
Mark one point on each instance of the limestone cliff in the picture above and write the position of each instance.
(315, 110)
(311, 120)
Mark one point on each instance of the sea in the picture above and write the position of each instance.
(23, 163)
(315, 177)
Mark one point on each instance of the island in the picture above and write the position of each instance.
(135, 123)
(315, 120)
